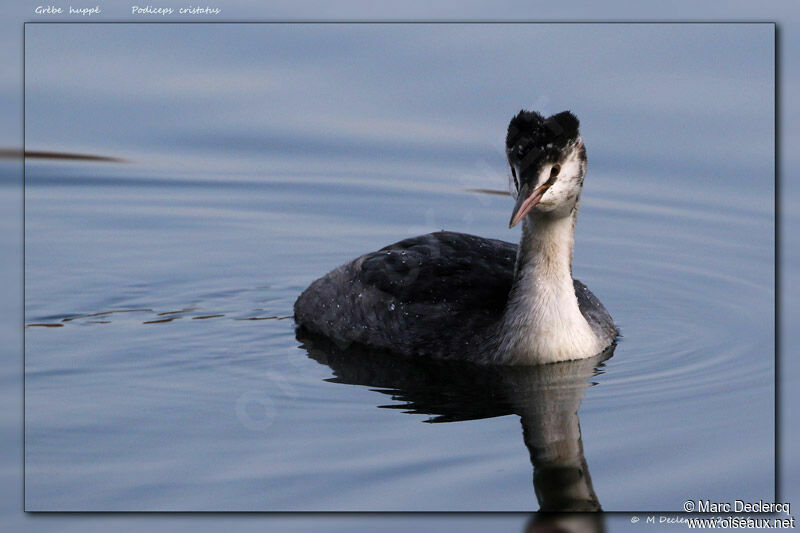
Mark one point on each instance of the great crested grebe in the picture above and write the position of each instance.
(456, 296)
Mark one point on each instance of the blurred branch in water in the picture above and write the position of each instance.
(16, 153)
(490, 191)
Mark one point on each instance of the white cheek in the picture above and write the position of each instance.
(572, 166)
(555, 198)
(566, 189)
(557, 194)
(543, 176)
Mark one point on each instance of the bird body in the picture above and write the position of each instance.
(442, 295)
(455, 296)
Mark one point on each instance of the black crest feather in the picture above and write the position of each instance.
(530, 132)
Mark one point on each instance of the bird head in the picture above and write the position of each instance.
(548, 163)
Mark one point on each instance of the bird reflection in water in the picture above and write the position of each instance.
(545, 397)
(566, 523)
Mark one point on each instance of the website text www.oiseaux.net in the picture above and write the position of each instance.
(740, 522)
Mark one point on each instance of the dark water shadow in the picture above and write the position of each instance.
(545, 397)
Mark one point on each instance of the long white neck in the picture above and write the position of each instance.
(542, 322)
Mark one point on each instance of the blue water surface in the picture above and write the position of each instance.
(162, 366)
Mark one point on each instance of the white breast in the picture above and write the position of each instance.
(542, 322)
